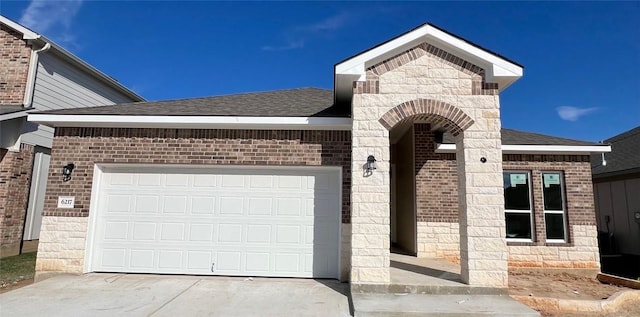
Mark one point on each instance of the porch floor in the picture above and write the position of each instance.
(410, 270)
(412, 275)
(432, 287)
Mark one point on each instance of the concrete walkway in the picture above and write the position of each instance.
(163, 295)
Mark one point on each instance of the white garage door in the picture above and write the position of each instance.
(245, 222)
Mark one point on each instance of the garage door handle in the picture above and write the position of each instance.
(212, 265)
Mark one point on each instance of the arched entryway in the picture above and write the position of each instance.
(421, 187)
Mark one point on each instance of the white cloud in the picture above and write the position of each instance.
(289, 46)
(299, 35)
(330, 24)
(573, 113)
(52, 18)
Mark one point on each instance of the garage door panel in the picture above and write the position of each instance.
(231, 222)
(148, 180)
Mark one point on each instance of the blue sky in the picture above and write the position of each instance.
(582, 59)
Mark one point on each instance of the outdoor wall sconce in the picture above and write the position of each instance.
(371, 163)
(66, 172)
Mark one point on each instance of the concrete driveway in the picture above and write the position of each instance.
(167, 295)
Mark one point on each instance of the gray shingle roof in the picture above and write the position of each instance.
(5, 109)
(624, 157)
(516, 137)
(302, 102)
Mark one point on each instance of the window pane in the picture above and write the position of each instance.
(518, 225)
(552, 191)
(516, 191)
(555, 226)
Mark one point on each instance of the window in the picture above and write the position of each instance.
(554, 206)
(517, 205)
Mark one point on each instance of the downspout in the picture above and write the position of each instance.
(604, 162)
(31, 75)
(30, 86)
(28, 99)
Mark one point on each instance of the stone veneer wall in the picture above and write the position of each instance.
(87, 146)
(15, 181)
(14, 66)
(438, 229)
(428, 84)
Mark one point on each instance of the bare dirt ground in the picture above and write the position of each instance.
(567, 285)
(15, 285)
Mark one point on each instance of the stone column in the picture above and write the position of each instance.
(483, 249)
(370, 197)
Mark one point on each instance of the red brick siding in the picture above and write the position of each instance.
(436, 179)
(436, 184)
(15, 179)
(14, 66)
(87, 146)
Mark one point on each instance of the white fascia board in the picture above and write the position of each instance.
(538, 149)
(26, 33)
(13, 115)
(193, 122)
(499, 66)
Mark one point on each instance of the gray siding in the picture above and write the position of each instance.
(60, 85)
(619, 200)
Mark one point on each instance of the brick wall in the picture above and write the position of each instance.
(436, 179)
(14, 66)
(437, 205)
(15, 179)
(87, 146)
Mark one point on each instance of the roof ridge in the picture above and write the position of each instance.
(624, 135)
(231, 94)
(548, 135)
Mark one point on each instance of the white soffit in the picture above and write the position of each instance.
(497, 68)
(538, 149)
(192, 122)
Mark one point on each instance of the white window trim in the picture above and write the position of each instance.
(556, 212)
(530, 211)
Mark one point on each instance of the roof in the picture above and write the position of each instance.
(442, 30)
(624, 157)
(8, 112)
(497, 68)
(516, 137)
(302, 102)
(35, 38)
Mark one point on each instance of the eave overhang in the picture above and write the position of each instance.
(538, 149)
(193, 122)
(497, 68)
(40, 41)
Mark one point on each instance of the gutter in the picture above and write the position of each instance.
(193, 122)
(537, 149)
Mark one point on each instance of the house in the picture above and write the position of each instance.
(616, 184)
(406, 151)
(37, 74)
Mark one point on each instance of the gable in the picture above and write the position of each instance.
(427, 69)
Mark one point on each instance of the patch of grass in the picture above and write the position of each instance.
(17, 268)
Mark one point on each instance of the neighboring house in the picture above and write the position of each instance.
(616, 183)
(407, 150)
(36, 74)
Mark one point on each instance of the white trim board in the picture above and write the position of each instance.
(498, 69)
(193, 122)
(537, 149)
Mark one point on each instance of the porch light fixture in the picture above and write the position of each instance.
(371, 163)
(66, 172)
